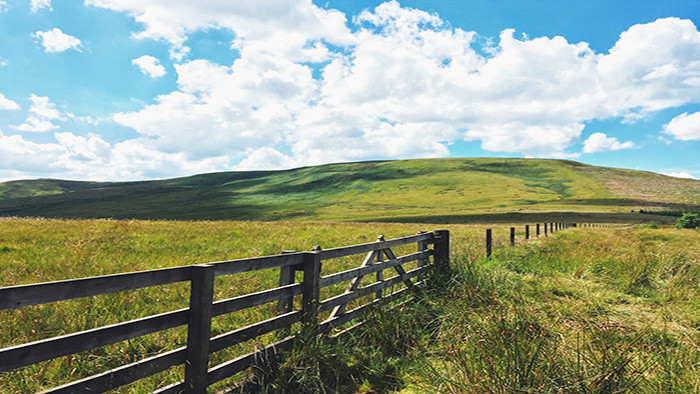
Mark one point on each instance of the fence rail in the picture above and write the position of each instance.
(202, 308)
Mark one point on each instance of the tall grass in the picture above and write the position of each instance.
(35, 250)
(583, 311)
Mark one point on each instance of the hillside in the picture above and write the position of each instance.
(423, 190)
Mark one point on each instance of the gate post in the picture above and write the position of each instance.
(311, 262)
(199, 328)
(442, 246)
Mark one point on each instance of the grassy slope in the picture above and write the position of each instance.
(426, 190)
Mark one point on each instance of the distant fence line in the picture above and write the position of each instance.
(552, 226)
(202, 308)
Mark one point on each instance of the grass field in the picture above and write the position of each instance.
(33, 250)
(584, 310)
(423, 190)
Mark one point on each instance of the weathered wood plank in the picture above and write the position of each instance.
(343, 276)
(123, 375)
(372, 246)
(353, 314)
(243, 334)
(175, 388)
(356, 281)
(47, 349)
(42, 293)
(230, 267)
(230, 368)
(399, 269)
(254, 299)
(349, 296)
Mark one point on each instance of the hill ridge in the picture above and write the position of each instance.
(361, 191)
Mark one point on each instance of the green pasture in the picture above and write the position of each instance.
(36, 250)
(422, 190)
(581, 310)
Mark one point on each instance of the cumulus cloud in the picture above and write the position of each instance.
(651, 67)
(7, 104)
(311, 87)
(599, 142)
(684, 127)
(681, 174)
(150, 66)
(55, 40)
(36, 5)
(281, 26)
(42, 113)
(73, 156)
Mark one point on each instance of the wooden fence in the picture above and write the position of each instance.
(202, 308)
(547, 228)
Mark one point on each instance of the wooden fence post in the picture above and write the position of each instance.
(537, 232)
(421, 246)
(488, 243)
(311, 262)
(442, 247)
(512, 236)
(380, 274)
(527, 231)
(545, 229)
(199, 328)
(287, 277)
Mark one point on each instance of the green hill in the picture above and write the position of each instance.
(433, 190)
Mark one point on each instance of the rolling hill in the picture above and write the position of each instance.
(421, 190)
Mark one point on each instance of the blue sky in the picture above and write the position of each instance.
(142, 89)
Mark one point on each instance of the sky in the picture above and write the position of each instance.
(118, 90)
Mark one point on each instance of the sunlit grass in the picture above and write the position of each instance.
(583, 310)
(35, 250)
(422, 190)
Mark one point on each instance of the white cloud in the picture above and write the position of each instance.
(90, 157)
(402, 83)
(41, 117)
(684, 127)
(678, 175)
(405, 85)
(55, 40)
(7, 104)
(652, 66)
(599, 142)
(265, 158)
(36, 125)
(281, 26)
(150, 66)
(36, 5)
(42, 107)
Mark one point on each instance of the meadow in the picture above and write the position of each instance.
(586, 310)
(582, 310)
(40, 250)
